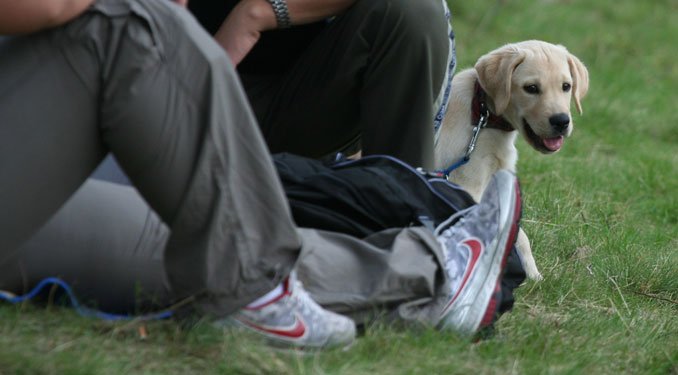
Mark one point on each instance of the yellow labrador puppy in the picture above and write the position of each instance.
(522, 88)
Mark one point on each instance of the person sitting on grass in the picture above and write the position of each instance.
(141, 79)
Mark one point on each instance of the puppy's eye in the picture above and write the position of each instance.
(531, 89)
(566, 87)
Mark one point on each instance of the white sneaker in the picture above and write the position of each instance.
(294, 320)
(476, 248)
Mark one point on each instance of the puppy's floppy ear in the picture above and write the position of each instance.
(580, 80)
(494, 74)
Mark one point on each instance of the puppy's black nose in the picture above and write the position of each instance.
(560, 121)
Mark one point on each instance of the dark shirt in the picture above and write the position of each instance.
(275, 52)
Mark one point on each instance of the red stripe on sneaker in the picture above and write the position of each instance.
(294, 331)
(488, 317)
(475, 247)
(514, 227)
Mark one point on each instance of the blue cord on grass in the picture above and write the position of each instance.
(82, 310)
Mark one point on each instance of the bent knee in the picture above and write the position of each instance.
(415, 18)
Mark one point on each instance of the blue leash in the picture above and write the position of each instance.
(446, 172)
(81, 310)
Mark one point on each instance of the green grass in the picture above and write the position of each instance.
(602, 215)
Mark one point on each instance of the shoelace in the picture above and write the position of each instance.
(303, 301)
(445, 225)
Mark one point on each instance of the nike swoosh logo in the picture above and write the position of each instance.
(475, 247)
(295, 331)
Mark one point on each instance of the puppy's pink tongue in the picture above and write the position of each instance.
(555, 143)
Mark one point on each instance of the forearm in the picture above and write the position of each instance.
(25, 16)
(242, 28)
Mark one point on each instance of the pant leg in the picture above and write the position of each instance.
(49, 141)
(375, 72)
(397, 271)
(106, 243)
(141, 78)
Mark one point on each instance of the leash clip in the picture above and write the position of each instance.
(482, 122)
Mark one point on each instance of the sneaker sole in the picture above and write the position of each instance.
(488, 317)
(472, 315)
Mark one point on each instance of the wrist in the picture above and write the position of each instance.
(259, 14)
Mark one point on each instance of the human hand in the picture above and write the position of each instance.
(183, 3)
(243, 26)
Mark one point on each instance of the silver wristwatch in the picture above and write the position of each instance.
(282, 14)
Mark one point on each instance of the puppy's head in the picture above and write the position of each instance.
(532, 84)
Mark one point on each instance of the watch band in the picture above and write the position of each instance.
(282, 14)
